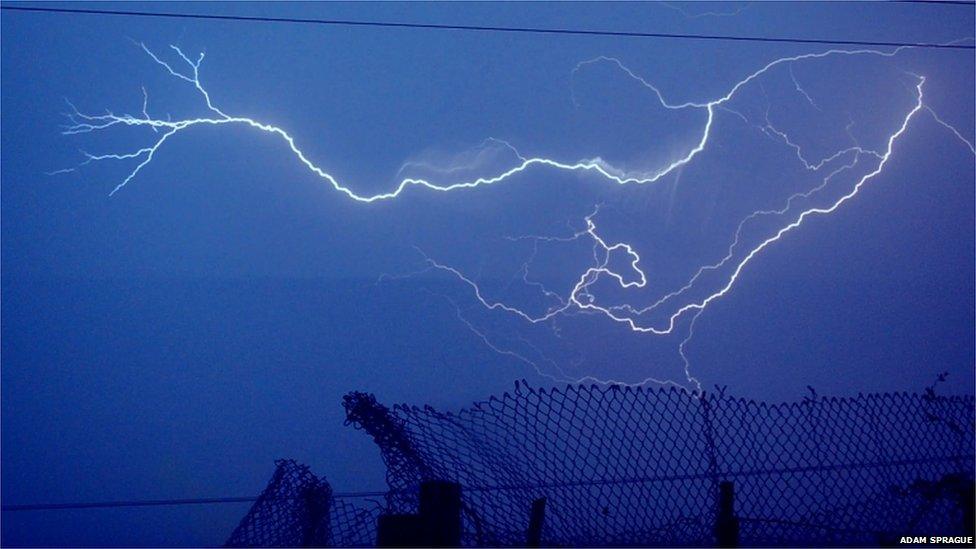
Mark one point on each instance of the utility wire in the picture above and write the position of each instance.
(485, 28)
(946, 2)
(164, 502)
(427, 26)
(572, 484)
(133, 503)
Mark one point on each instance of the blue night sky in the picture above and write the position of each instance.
(172, 340)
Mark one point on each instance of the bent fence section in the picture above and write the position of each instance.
(644, 466)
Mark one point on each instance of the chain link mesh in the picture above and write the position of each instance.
(625, 466)
(642, 466)
(290, 512)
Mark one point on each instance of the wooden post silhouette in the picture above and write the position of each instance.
(440, 512)
(316, 508)
(400, 531)
(966, 498)
(438, 524)
(533, 538)
(726, 523)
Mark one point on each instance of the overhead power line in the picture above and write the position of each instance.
(575, 484)
(161, 502)
(131, 503)
(946, 2)
(487, 28)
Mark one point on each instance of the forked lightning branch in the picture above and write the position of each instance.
(680, 310)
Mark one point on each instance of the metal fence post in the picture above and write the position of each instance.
(533, 538)
(316, 509)
(726, 523)
(966, 497)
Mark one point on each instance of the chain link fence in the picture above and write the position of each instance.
(642, 466)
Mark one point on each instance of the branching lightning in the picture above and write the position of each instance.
(583, 296)
(952, 129)
(689, 15)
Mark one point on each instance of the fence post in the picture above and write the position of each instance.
(726, 523)
(316, 508)
(440, 512)
(533, 538)
(966, 496)
(400, 531)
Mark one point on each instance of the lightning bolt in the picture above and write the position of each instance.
(952, 129)
(689, 15)
(581, 298)
(801, 91)
(87, 123)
